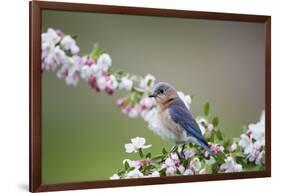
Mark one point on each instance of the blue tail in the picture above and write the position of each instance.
(205, 145)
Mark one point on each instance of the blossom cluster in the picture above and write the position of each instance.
(60, 54)
(60, 51)
(230, 156)
(253, 141)
(176, 162)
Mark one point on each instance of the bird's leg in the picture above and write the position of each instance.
(182, 149)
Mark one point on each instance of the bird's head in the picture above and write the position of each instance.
(163, 92)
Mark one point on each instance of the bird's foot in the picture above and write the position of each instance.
(182, 149)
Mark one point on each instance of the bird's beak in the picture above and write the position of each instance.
(152, 96)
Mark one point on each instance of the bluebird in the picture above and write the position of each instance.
(175, 117)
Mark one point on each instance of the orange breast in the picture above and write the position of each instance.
(171, 126)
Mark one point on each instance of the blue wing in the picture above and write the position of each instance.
(182, 116)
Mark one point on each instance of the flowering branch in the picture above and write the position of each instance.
(60, 54)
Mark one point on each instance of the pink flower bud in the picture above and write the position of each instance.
(177, 164)
(88, 62)
(249, 132)
(93, 83)
(216, 148)
(129, 108)
(148, 161)
(120, 102)
(109, 91)
(59, 32)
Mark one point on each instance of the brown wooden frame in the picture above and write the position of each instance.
(36, 8)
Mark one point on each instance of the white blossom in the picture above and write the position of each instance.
(53, 58)
(50, 36)
(147, 102)
(203, 171)
(233, 147)
(68, 43)
(112, 82)
(137, 143)
(62, 72)
(134, 112)
(171, 170)
(95, 70)
(244, 141)
(155, 174)
(85, 72)
(102, 82)
(104, 61)
(188, 153)
(211, 161)
(260, 158)
(181, 169)
(126, 83)
(185, 98)
(174, 156)
(134, 174)
(196, 164)
(114, 177)
(230, 166)
(169, 162)
(202, 123)
(210, 127)
(72, 80)
(188, 172)
(131, 163)
(147, 82)
(253, 142)
(257, 130)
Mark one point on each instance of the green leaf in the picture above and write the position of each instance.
(239, 154)
(75, 37)
(96, 52)
(158, 157)
(220, 157)
(219, 134)
(206, 109)
(192, 96)
(185, 163)
(126, 165)
(141, 153)
(164, 151)
(212, 138)
(131, 169)
(149, 167)
(244, 129)
(227, 143)
(209, 169)
(148, 155)
(215, 168)
(162, 172)
(120, 172)
(149, 82)
(215, 121)
(138, 90)
(241, 160)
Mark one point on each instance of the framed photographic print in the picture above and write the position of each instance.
(123, 96)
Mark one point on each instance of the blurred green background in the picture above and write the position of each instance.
(218, 61)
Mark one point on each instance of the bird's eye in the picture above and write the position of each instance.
(161, 91)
